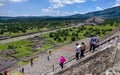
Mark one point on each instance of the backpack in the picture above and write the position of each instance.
(84, 47)
(93, 40)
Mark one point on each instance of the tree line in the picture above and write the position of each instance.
(23, 24)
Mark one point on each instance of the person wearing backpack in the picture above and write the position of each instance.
(83, 48)
(97, 41)
(93, 43)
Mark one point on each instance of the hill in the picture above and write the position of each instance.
(113, 12)
(109, 13)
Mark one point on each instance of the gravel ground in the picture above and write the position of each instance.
(41, 64)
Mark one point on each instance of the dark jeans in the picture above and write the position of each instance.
(82, 53)
(61, 64)
(22, 70)
(77, 56)
(31, 63)
(1, 74)
(92, 47)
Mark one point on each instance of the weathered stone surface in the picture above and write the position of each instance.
(94, 20)
(95, 64)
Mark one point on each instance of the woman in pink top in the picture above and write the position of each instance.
(62, 60)
(5, 72)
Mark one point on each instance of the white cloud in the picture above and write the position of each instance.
(45, 10)
(117, 3)
(2, 1)
(54, 12)
(55, 4)
(69, 13)
(61, 3)
(98, 8)
(17, 1)
(10, 11)
(50, 11)
(1, 4)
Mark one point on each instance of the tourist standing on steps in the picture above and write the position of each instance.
(97, 40)
(49, 55)
(31, 61)
(22, 70)
(78, 48)
(83, 48)
(5, 72)
(93, 42)
(62, 60)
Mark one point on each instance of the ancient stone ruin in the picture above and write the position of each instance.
(94, 20)
(105, 61)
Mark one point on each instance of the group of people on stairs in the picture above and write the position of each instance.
(80, 49)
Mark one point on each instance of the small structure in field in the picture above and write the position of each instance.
(94, 20)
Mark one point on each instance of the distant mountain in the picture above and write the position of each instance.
(5, 17)
(19, 17)
(113, 12)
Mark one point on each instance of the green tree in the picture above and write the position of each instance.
(51, 34)
(2, 31)
(73, 38)
(65, 38)
(11, 46)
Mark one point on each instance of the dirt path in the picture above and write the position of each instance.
(32, 35)
(41, 64)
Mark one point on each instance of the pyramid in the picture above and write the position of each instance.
(94, 20)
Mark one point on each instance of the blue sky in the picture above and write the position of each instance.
(53, 7)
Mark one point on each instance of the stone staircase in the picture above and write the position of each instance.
(44, 67)
(104, 44)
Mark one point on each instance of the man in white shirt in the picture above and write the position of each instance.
(78, 48)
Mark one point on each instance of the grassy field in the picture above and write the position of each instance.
(78, 33)
(23, 47)
(19, 33)
(22, 33)
(16, 73)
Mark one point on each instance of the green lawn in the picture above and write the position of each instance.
(19, 33)
(23, 49)
(78, 33)
(16, 73)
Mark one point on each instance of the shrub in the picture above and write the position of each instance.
(73, 38)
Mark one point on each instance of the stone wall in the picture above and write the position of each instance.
(117, 56)
(95, 64)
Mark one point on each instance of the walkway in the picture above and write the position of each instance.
(33, 35)
(41, 64)
(100, 48)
